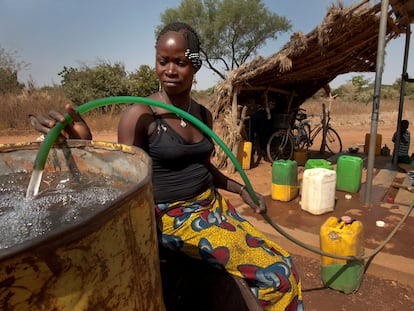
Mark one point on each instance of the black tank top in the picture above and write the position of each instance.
(179, 170)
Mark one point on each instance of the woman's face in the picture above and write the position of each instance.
(175, 71)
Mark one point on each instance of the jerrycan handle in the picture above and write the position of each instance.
(344, 220)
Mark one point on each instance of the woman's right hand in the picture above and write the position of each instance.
(77, 129)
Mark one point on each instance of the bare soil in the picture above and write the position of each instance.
(376, 292)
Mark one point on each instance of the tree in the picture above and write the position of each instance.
(360, 82)
(409, 88)
(143, 82)
(9, 82)
(86, 83)
(231, 31)
(9, 67)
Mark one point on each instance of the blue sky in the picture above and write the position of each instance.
(50, 34)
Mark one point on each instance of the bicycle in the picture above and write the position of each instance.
(302, 135)
(280, 144)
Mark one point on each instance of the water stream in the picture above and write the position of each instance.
(34, 183)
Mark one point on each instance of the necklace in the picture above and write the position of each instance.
(182, 121)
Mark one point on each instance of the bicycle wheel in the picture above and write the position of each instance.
(333, 141)
(280, 146)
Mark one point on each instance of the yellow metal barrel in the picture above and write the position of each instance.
(107, 261)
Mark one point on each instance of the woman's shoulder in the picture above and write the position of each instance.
(205, 113)
(139, 107)
(135, 112)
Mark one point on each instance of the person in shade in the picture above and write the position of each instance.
(404, 145)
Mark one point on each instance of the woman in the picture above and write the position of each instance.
(192, 216)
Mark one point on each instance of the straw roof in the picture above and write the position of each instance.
(345, 41)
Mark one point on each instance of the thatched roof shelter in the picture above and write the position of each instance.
(345, 41)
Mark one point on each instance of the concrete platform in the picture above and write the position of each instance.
(395, 261)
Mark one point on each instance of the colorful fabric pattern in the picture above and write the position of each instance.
(208, 227)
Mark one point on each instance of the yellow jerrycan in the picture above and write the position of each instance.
(343, 237)
(244, 155)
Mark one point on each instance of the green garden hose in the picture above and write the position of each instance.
(53, 134)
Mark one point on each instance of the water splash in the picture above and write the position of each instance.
(62, 201)
(34, 184)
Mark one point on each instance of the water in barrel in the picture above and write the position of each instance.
(62, 200)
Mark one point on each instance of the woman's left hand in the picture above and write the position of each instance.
(259, 208)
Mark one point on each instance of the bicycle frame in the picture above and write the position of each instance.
(314, 131)
(305, 134)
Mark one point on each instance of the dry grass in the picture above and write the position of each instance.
(15, 109)
(359, 114)
(102, 122)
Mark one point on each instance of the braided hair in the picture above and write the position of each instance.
(190, 35)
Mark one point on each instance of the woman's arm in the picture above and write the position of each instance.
(221, 181)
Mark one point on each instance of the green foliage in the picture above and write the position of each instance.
(143, 81)
(231, 31)
(84, 84)
(388, 92)
(351, 93)
(360, 82)
(360, 90)
(409, 88)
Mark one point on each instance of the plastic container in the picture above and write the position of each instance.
(378, 143)
(318, 163)
(284, 180)
(345, 238)
(349, 173)
(245, 154)
(318, 190)
(300, 156)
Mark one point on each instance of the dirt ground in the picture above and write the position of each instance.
(376, 292)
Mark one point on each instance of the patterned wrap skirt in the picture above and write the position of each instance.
(207, 227)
